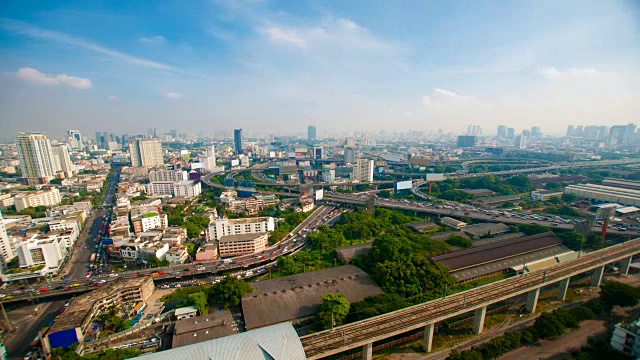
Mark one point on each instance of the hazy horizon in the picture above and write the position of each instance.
(276, 67)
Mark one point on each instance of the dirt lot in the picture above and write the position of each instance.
(560, 347)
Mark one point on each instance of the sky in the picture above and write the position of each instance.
(275, 67)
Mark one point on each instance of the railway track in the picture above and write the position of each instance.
(348, 336)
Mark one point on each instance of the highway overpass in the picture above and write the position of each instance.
(364, 333)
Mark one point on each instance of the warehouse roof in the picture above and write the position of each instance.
(478, 230)
(422, 226)
(497, 250)
(347, 253)
(497, 199)
(277, 342)
(297, 296)
(197, 329)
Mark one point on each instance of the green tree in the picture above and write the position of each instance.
(199, 301)
(572, 239)
(533, 229)
(229, 291)
(547, 326)
(334, 307)
(613, 293)
(459, 241)
(569, 198)
(56, 181)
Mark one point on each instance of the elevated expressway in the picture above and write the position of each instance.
(364, 333)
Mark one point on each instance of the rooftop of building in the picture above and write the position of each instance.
(241, 237)
(245, 220)
(80, 307)
(547, 192)
(479, 192)
(347, 253)
(296, 296)
(496, 250)
(483, 229)
(497, 199)
(451, 220)
(422, 226)
(277, 342)
(185, 310)
(217, 324)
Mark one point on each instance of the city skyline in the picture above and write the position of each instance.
(263, 65)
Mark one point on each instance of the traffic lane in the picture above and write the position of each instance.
(18, 345)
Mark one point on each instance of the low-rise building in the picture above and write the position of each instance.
(145, 218)
(216, 324)
(544, 195)
(187, 189)
(6, 200)
(177, 255)
(185, 313)
(453, 223)
(48, 196)
(225, 227)
(174, 235)
(234, 245)
(207, 252)
(626, 338)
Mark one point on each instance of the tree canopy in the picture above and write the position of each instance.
(614, 293)
(229, 291)
(334, 307)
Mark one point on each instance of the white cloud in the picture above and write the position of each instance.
(153, 40)
(441, 97)
(19, 27)
(34, 76)
(554, 73)
(113, 98)
(286, 36)
(173, 95)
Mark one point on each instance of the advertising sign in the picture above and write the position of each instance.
(435, 177)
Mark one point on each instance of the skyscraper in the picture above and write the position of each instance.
(502, 131)
(616, 134)
(209, 161)
(535, 132)
(62, 160)
(7, 251)
(521, 141)
(318, 153)
(511, 132)
(36, 158)
(237, 140)
(145, 152)
(75, 139)
(571, 131)
(311, 133)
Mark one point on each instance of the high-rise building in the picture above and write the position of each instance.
(616, 134)
(328, 175)
(629, 134)
(62, 159)
(467, 141)
(237, 141)
(502, 131)
(318, 153)
(535, 132)
(209, 161)
(351, 142)
(526, 133)
(521, 141)
(145, 152)
(511, 133)
(311, 133)
(363, 170)
(349, 155)
(579, 131)
(603, 132)
(474, 130)
(75, 139)
(571, 131)
(173, 133)
(36, 158)
(590, 132)
(7, 252)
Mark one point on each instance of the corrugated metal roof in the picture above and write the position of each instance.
(277, 342)
(498, 250)
(297, 296)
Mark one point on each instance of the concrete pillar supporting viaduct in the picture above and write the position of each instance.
(428, 337)
(596, 278)
(367, 351)
(624, 266)
(532, 300)
(563, 286)
(478, 319)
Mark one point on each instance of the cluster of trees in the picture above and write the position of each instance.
(195, 224)
(450, 188)
(154, 262)
(333, 310)
(108, 354)
(555, 323)
(563, 210)
(174, 214)
(113, 321)
(291, 220)
(227, 293)
(34, 212)
(459, 241)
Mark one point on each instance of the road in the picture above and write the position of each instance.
(82, 249)
(27, 328)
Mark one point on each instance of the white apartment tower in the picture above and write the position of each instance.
(75, 139)
(363, 170)
(145, 152)
(36, 158)
(209, 161)
(6, 250)
(62, 159)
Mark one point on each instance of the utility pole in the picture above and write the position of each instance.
(445, 290)
(464, 301)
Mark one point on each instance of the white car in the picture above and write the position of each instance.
(113, 275)
(201, 268)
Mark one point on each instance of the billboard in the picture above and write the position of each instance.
(403, 185)
(435, 177)
(606, 212)
(319, 194)
(235, 162)
(272, 154)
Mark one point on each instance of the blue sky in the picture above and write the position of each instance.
(278, 66)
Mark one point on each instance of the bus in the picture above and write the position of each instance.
(139, 308)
